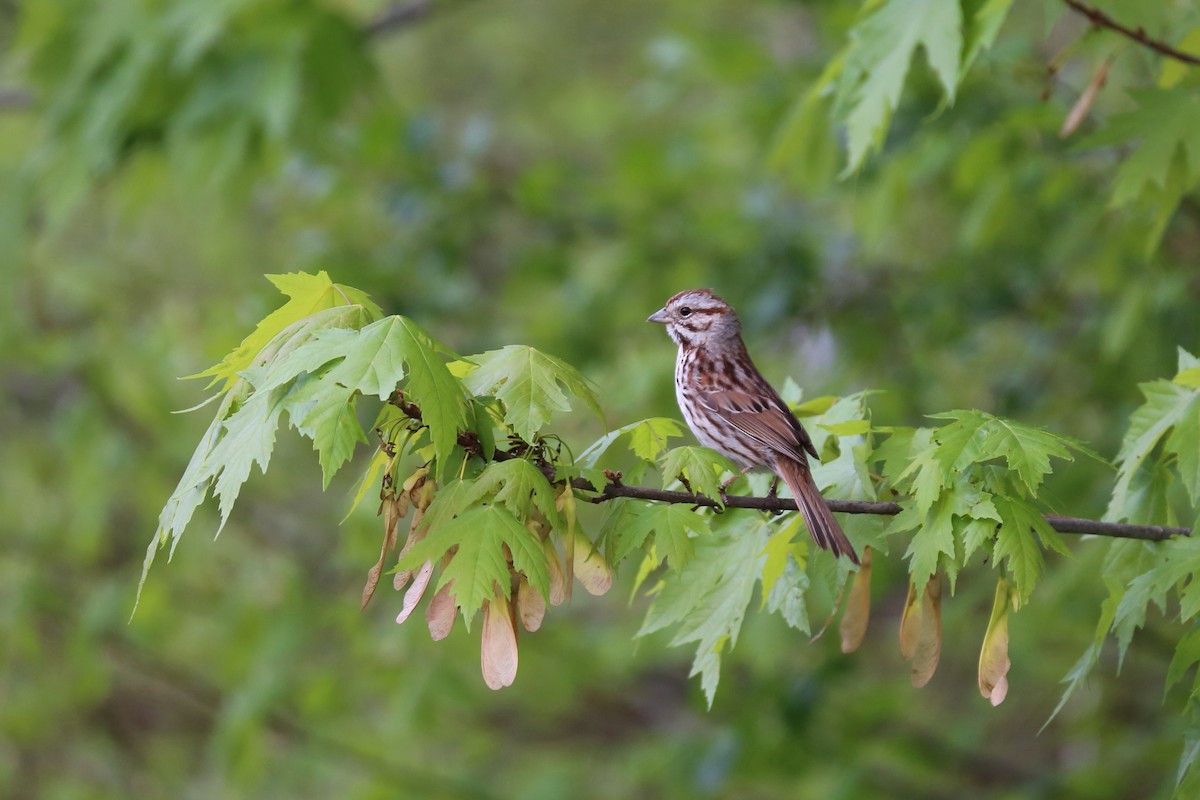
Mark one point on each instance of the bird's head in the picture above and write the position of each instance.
(698, 318)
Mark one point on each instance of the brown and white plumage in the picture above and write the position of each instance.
(731, 408)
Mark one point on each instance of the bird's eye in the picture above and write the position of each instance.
(685, 311)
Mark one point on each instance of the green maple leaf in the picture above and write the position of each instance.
(227, 458)
(784, 579)
(191, 490)
(479, 568)
(1016, 542)
(787, 597)
(521, 486)
(976, 436)
(674, 526)
(959, 509)
(530, 384)
(975, 534)
(983, 21)
(249, 438)
(958, 444)
(846, 474)
(372, 360)
(647, 439)
(307, 295)
(701, 467)
(778, 548)
(925, 476)
(1166, 126)
(1186, 782)
(1167, 405)
(1076, 678)
(898, 450)
(621, 532)
(1171, 564)
(877, 61)
(932, 540)
(629, 525)
(709, 598)
(1184, 442)
(1187, 655)
(451, 500)
(1165, 164)
(330, 420)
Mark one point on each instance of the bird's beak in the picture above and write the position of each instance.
(659, 316)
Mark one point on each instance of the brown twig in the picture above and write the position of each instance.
(397, 17)
(614, 488)
(13, 99)
(1138, 34)
(1119, 530)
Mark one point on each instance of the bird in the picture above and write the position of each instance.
(731, 408)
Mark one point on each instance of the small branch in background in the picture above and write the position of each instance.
(13, 99)
(1138, 34)
(1119, 530)
(397, 17)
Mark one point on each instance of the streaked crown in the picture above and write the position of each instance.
(698, 318)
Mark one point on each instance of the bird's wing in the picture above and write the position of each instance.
(764, 419)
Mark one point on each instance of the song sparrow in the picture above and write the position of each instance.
(731, 408)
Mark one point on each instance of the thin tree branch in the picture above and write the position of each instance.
(397, 17)
(1138, 34)
(614, 489)
(13, 99)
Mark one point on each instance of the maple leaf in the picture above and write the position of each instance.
(521, 486)
(479, 568)
(674, 528)
(709, 599)
(700, 467)
(784, 579)
(1169, 405)
(1015, 542)
(372, 360)
(530, 384)
(1166, 124)
(307, 294)
(877, 62)
(647, 439)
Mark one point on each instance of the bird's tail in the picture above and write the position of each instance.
(821, 524)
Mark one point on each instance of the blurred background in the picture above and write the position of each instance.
(542, 173)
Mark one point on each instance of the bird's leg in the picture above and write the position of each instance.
(773, 492)
(733, 478)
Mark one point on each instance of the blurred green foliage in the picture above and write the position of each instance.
(547, 174)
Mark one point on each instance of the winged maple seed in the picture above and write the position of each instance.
(441, 612)
(993, 656)
(523, 601)
(853, 626)
(393, 505)
(498, 644)
(531, 605)
(921, 630)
